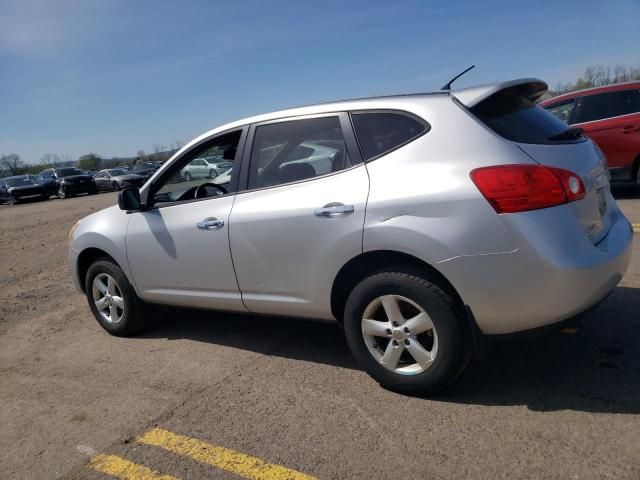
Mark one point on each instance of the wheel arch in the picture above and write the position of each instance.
(369, 262)
(86, 258)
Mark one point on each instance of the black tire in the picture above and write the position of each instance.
(133, 316)
(213, 173)
(12, 200)
(115, 186)
(445, 312)
(187, 177)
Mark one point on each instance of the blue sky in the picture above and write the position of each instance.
(116, 76)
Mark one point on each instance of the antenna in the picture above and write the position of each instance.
(448, 85)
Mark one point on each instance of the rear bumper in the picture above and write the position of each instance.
(555, 274)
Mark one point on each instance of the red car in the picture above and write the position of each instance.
(610, 115)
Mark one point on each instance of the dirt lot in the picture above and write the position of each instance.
(287, 391)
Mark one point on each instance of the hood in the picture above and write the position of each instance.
(531, 88)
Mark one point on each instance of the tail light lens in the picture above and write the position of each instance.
(518, 188)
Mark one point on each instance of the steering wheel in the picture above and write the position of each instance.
(203, 190)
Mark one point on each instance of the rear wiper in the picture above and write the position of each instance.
(569, 134)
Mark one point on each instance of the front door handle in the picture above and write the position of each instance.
(210, 223)
(630, 129)
(332, 210)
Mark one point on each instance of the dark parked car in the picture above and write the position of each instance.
(117, 179)
(146, 169)
(66, 182)
(610, 116)
(15, 189)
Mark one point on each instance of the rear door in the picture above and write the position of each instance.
(302, 216)
(612, 120)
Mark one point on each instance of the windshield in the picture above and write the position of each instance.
(19, 181)
(67, 172)
(117, 172)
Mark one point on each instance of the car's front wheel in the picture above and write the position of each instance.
(187, 177)
(406, 331)
(213, 173)
(112, 299)
(62, 193)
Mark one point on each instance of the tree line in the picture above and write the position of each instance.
(12, 163)
(598, 76)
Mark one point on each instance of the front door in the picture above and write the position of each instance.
(178, 250)
(302, 217)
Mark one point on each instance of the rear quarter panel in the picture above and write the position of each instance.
(422, 200)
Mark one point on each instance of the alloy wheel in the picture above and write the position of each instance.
(107, 298)
(399, 334)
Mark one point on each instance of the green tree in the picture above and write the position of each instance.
(90, 161)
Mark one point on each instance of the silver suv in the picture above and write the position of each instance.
(422, 223)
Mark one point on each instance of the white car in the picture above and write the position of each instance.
(209, 167)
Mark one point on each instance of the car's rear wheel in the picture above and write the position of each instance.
(406, 331)
(187, 176)
(112, 300)
(213, 173)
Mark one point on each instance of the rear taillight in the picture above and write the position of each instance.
(518, 188)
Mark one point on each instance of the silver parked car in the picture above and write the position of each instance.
(432, 222)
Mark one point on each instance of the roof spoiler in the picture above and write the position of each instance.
(531, 88)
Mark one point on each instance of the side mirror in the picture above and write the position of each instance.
(129, 199)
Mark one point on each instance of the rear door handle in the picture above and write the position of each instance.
(630, 129)
(210, 223)
(332, 210)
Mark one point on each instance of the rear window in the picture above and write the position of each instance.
(607, 105)
(518, 119)
(380, 132)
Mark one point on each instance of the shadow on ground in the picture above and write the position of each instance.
(625, 190)
(594, 370)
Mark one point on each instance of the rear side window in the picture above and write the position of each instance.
(292, 151)
(518, 119)
(607, 105)
(380, 132)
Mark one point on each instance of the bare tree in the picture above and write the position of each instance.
(66, 159)
(50, 160)
(141, 155)
(12, 163)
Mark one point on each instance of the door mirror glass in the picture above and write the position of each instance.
(129, 199)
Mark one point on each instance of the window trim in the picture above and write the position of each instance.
(171, 170)
(349, 138)
(579, 104)
(405, 113)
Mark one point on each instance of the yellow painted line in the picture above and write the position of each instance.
(124, 469)
(220, 457)
(636, 227)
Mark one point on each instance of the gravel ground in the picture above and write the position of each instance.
(287, 391)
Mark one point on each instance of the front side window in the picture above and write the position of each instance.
(561, 110)
(297, 150)
(380, 132)
(607, 105)
(182, 185)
